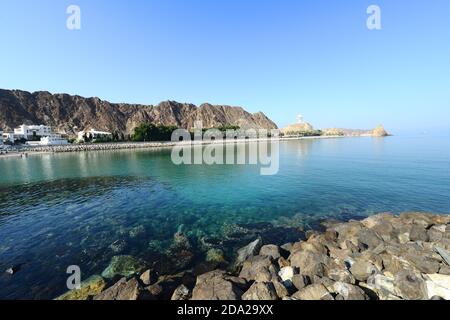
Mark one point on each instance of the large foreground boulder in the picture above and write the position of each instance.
(313, 292)
(261, 291)
(122, 290)
(250, 250)
(259, 268)
(218, 285)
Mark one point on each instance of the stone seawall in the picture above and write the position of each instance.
(383, 257)
(134, 145)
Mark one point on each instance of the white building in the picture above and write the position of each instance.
(51, 140)
(28, 132)
(8, 136)
(93, 134)
(1, 137)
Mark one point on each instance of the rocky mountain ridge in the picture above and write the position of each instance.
(69, 114)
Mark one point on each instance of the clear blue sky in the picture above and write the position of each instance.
(288, 57)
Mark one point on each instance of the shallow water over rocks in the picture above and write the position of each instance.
(85, 208)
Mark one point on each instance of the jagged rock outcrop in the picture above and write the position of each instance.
(380, 132)
(377, 132)
(66, 113)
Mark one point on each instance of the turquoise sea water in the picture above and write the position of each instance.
(67, 209)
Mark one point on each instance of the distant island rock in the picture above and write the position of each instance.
(302, 128)
(380, 132)
(69, 114)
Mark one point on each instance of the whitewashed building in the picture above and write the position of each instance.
(93, 134)
(8, 136)
(28, 132)
(51, 140)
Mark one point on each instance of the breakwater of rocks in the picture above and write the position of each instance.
(383, 257)
(24, 150)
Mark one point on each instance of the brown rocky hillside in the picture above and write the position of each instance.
(69, 114)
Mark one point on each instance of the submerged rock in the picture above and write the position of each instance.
(89, 288)
(10, 271)
(118, 246)
(215, 256)
(123, 266)
(136, 231)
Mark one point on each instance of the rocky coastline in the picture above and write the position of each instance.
(383, 257)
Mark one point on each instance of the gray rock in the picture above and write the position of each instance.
(218, 285)
(435, 234)
(410, 286)
(259, 268)
(369, 239)
(287, 246)
(444, 270)
(422, 262)
(310, 263)
(313, 292)
(363, 269)
(181, 293)
(148, 277)
(261, 291)
(248, 251)
(341, 275)
(122, 290)
(418, 233)
(300, 281)
(270, 250)
(280, 289)
(382, 285)
(349, 292)
(444, 254)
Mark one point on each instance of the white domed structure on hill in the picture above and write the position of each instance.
(300, 127)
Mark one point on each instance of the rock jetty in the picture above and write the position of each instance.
(383, 257)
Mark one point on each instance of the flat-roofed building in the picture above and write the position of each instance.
(29, 131)
(92, 135)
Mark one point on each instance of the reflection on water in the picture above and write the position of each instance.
(84, 208)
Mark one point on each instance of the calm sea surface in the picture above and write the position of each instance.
(67, 209)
